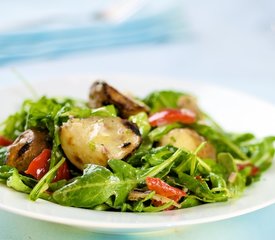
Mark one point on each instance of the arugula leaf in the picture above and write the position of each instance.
(15, 182)
(13, 125)
(98, 184)
(155, 170)
(44, 182)
(236, 186)
(200, 188)
(95, 187)
(262, 152)
(5, 172)
(3, 155)
(157, 155)
(190, 201)
(227, 161)
(159, 100)
(124, 172)
(157, 133)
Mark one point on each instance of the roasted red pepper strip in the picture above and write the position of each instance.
(39, 166)
(164, 189)
(5, 142)
(172, 115)
(63, 172)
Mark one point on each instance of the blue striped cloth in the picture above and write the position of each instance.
(53, 43)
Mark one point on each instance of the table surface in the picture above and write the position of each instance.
(228, 49)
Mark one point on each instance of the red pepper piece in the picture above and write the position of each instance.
(5, 141)
(164, 189)
(172, 115)
(63, 172)
(39, 166)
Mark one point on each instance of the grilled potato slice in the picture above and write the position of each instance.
(190, 140)
(102, 94)
(97, 139)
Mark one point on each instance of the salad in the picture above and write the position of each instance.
(116, 152)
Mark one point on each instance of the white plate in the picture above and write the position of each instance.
(235, 111)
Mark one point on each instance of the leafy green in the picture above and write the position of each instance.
(227, 161)
(141, 120)
(262, 152)
(95, 187)
(201, 189)
(124, 172)
(190, 201)
(108, 188)
(221, 140)
(159, 100)
(157, 133)
(98, 184)
(15, 182)
(3, 155)
(44, 182)
(5, 172)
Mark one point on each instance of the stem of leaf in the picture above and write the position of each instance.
(157, 169)
(43, 184)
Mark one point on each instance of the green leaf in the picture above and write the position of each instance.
(106, 111)
(97, 185)
(157, 133)
(200, 189)
(227, 161)
(94, 187)
(5, 172)
(44, 182)
(237, 187)
(124, 172)
(15, 182)
(262, 152)
(158, 155)
(39, 113)
(155, 170)
(159, 100)
(190, 201)
(3, 155)
(220, 140)
(141, 120)
(158, 209)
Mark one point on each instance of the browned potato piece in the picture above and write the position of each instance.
(26, 147)
(98, 139)
(102, 94)
(190, 102)
(190, 140)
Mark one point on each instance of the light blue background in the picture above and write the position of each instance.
(232, 45)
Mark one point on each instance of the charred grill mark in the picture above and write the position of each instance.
(126, 144)
(77, 159)
(23, 149)
(70, 140)
(133, 127)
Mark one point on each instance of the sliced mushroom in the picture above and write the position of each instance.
(190, 140)
(98, 139)
(102, 94)
(26, 147)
